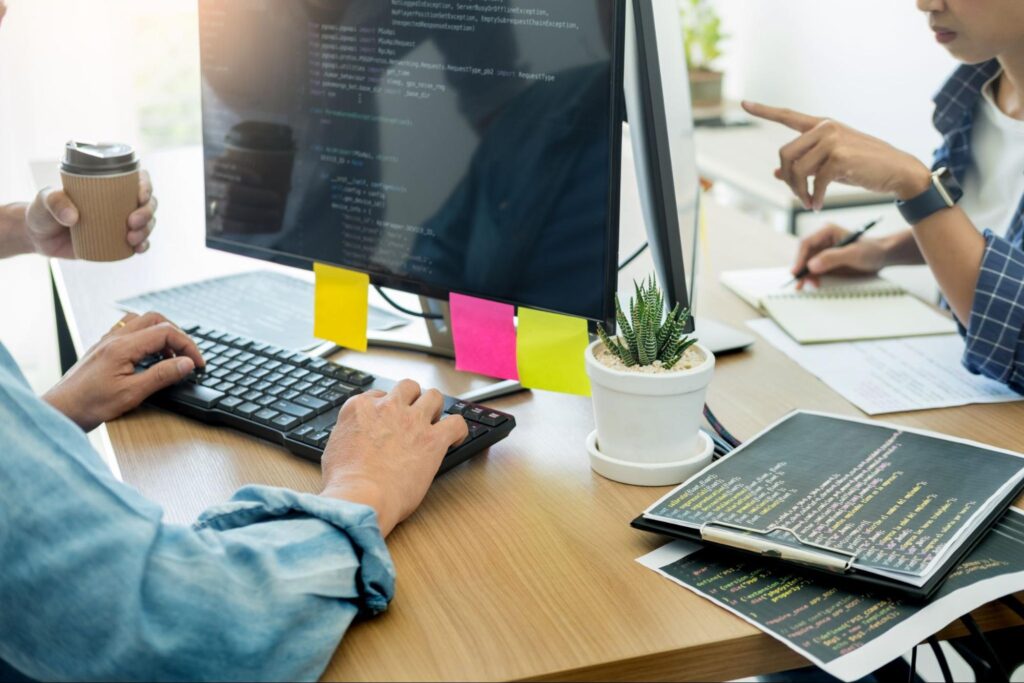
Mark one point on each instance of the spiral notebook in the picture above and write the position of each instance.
(840, 310)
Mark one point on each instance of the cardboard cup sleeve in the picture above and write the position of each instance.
(104, 204)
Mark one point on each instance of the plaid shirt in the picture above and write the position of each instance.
(995, 347)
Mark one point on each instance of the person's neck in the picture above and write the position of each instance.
(1010, 96)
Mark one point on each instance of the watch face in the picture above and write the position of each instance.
(947, 186)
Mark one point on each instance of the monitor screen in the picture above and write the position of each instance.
(440, 147)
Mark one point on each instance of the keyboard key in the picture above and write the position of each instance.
(317, 391)
(294, 409)
(247, 409)
(232, 353)
(259, 348)
(314, 403)
(243, 344)
(248, 381)
(284, 422)
(301, 386)
(266, 415)
(232, 365)
(271, 365)
(218, 349)
(288, 381)
(261, 373)
(493, 419)
(276, 390)
(284, 355)
(216, 336)
(361, 379)
(239, 390)
(245, 357)
(257, 361)
(230, 340)
(291, 395)
(301, 432)
(224, 387)
(317, 364)
(210, 381)
(253, 396)
(274, 377)
(298, 359)
(476, 430)
(191, 329)
(458, 408)
(220, 373)
(234, 377)
(195, 394)
(329, 383)
(337, 371)
(263, 386)
(271, 351)
(266, 400)
(318, 438)
(246, 369)
(335, 398)
(230, 403)
(298, 373)
(474, 413)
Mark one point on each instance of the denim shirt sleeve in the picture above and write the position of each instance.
(995, 347)
(94, 585)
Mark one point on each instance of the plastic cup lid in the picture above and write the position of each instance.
(99, 158)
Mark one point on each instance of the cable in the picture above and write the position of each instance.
(940, 657)
(402, 309)
(720, 429)
(986, 646)
(635, 255)
(913, 665)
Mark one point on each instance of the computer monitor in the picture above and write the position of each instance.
(664, 148)
(470, 148)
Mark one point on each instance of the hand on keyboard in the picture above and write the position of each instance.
(104, 384)
(387, 448)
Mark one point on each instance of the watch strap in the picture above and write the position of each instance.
(943, 193)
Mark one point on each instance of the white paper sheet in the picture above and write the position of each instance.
(892, 375)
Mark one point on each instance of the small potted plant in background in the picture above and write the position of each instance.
(649, 385)
(702, 39)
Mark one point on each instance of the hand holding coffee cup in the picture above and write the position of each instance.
(105, 211)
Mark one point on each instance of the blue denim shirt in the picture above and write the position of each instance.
(995, 331)
(94, 585)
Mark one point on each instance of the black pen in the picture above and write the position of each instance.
(850, 239)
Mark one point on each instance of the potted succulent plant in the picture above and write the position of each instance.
(649, 385)
(702, 40)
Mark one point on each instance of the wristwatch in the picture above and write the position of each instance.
(944, 193)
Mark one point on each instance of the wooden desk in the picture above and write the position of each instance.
(520, 564)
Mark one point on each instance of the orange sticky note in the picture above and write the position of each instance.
(342, 306)
(550, 350)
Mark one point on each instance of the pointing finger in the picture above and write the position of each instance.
(787, 117)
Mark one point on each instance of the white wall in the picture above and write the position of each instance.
(873, 64)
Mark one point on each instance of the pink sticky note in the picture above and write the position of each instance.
(485, 337)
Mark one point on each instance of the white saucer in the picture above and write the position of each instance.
(644, 474)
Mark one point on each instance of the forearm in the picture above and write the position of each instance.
(13, 233)
(901, 249)
(953, 249)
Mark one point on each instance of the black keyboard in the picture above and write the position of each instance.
(293, 399)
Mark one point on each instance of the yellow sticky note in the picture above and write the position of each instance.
(342, 306)
(550, 351)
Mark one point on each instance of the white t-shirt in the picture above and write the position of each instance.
(994, 183)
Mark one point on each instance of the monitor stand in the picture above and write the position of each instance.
(434, 338)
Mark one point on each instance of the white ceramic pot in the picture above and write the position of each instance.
(649, 420)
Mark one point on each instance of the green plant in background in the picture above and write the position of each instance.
(702, 33)
(648, 336)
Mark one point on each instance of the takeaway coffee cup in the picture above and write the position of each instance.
(102, 179)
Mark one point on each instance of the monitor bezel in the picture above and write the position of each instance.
(419, 288)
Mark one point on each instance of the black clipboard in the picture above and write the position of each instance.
(848, 576)
(819, 561)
